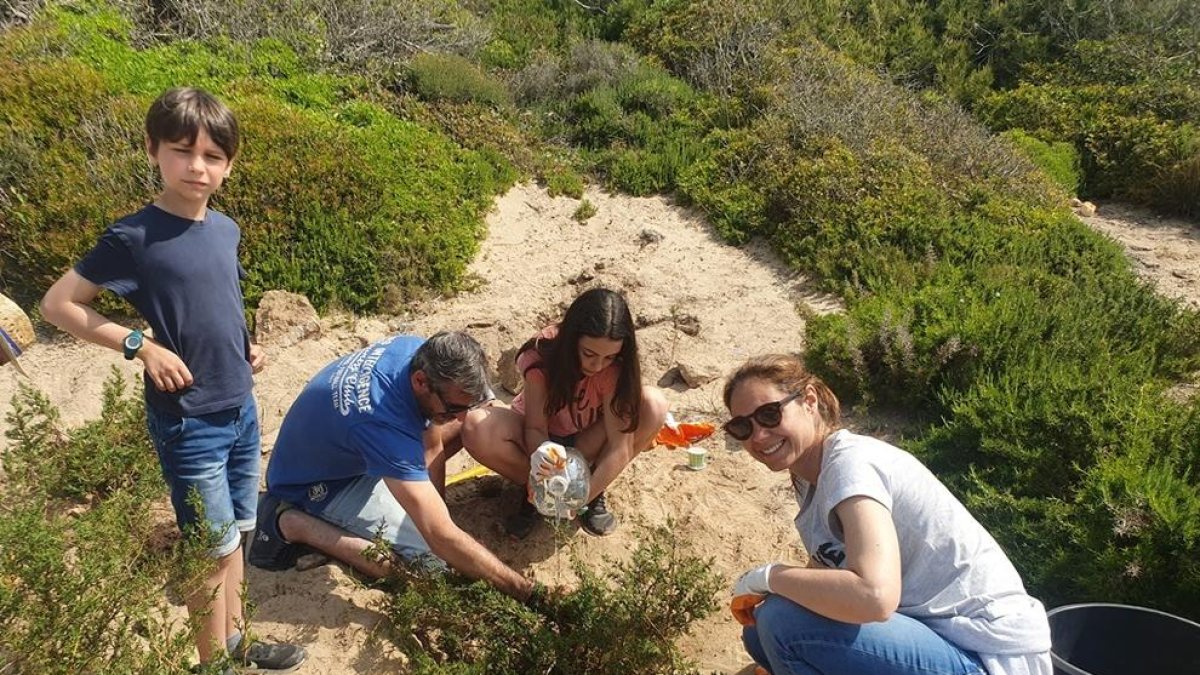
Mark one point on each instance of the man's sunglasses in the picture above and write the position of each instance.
(452, 409)
(768, 416)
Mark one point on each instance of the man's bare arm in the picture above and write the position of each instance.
(425, 506)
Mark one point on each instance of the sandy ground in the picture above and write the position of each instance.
(677, 276)
(1164, 250)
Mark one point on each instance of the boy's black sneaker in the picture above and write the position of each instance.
(597, 519)
(520, 524)
(266, 657)
(268, 549)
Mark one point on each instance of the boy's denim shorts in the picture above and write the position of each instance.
(219, 455)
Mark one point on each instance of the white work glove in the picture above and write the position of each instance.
(548, 457)
(755, 582)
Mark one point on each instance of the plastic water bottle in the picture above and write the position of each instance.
(564, 490)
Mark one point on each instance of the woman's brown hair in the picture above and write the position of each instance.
(787, 372)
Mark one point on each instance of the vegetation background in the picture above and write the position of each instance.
(915, 156)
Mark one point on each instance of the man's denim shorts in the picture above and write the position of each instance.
(366, 508)
(218, 455)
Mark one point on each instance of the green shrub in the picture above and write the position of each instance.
(1058, 159)
(437, 77)
(62, 568)
(721, 183)
(561, 179)
(96, 460)
(1129, 105)
(369, 36)
(718, 46)
(625, 619)
(1176, 189)
(597, 117)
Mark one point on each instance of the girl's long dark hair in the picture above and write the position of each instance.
(600, 313)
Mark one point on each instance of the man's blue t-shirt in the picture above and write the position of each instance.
(356, 417)
(184, 278)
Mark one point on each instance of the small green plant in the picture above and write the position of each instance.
(623, 619)
(585, 211)
(561, 179)
(95, 460)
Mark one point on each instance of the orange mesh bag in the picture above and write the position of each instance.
(682, 434)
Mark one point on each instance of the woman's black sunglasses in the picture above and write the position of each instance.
(768, 416)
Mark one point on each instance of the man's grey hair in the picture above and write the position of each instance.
(452, 357)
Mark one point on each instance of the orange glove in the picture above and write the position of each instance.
(742, 607)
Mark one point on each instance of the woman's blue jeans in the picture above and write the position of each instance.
(788, 639)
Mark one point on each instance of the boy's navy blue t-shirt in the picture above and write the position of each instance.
(184, 278)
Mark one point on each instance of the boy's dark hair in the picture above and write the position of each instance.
(599, 312)
(181, 113)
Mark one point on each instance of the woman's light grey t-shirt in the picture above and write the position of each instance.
(954, 576)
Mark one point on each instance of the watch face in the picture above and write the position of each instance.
(133, 341)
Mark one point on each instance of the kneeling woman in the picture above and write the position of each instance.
(901, 578)
(582, 387)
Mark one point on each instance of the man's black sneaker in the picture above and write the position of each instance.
(597, 519)
(268, 549)
(266, 657)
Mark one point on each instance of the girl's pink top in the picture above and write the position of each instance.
(590, 393)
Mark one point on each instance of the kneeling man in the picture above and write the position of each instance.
(351, 458)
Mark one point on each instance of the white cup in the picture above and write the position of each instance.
(697, 458)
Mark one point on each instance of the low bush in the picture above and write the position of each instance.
(446, 77)
(1135, 135)
(83, 559)
(370, 36)
(723, 47)
(562, 179)
(1175, 188)
(622, 620)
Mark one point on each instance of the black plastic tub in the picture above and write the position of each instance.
(1107, 639)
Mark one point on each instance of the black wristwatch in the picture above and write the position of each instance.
(131, 345)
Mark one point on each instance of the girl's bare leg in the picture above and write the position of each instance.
(494, 436)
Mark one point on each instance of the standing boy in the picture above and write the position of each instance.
(176, 262)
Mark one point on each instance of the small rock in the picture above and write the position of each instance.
(599, 266)
(688, 324)
(1085, 210)
(506, 370)
(1076, 202)
(670, 378)
(649, 236)
(642, 320)
(284, 318)
(1180, 274)
(582, 277)
(310, 561)
(697, 375)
